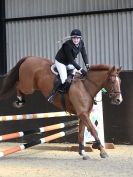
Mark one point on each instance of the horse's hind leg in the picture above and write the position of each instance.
(20, 98)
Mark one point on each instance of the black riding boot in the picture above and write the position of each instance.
(66, 86)
(57, 85)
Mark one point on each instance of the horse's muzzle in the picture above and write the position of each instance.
(117, 100)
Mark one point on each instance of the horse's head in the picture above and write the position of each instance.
(113, 86)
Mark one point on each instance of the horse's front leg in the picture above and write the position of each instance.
(81, 137)
(87, 122)
(81, 140)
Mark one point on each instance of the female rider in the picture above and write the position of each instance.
(65, 60)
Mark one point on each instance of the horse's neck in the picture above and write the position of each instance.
(94, 81)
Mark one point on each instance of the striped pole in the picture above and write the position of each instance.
(34, 116)
(39, 141)
(38, 130)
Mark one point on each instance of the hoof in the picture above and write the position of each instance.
(103, 155)
(85, 157)
(17, 105)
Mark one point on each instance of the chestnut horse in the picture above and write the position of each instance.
(34, 73)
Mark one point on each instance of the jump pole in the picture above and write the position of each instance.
(39, 141)
(34, 116)
(37, 130)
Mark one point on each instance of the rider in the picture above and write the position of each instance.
(65, 59)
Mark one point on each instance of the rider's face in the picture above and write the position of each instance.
(76, 40)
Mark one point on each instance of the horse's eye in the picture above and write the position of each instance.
(110, 95)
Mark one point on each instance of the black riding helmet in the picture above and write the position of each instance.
(76, 33)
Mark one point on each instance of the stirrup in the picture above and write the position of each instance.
(50, 99)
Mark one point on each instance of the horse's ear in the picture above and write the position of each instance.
(119, 69)
(113, 68)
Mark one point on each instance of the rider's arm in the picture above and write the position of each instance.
(84, 54)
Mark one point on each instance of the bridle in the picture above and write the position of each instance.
(111, 91)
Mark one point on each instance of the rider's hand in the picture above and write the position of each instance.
(87, 66)
(83, 72)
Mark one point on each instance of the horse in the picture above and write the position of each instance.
(33, 73)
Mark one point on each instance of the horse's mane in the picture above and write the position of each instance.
(100, 67)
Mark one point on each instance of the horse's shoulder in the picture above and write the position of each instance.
(100, 67)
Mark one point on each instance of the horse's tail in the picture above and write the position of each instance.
(9, 80)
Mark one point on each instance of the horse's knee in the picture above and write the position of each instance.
(84, 117)
(82, 114)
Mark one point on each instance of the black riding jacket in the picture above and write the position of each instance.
(68, 53)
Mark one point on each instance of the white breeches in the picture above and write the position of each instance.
(62, 69)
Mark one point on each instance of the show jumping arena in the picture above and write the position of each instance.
(56, 160)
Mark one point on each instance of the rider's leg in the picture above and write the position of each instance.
(62, 71)
(66, 85)
(57, 85)
(63, 76)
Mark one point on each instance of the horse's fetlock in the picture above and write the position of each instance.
(97, 145)
(81, 149)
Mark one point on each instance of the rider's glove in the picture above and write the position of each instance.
(82, 71)
(87, 66)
